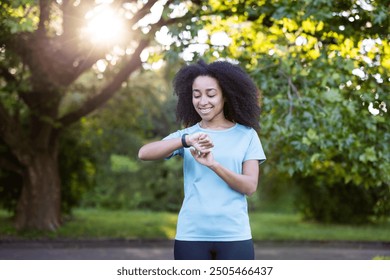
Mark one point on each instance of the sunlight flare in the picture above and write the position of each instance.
(104, 25)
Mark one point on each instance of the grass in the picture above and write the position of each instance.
(276, 227)
(95, 223)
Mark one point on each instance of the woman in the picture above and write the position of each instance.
(218, 104)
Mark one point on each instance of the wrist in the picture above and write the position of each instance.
(188, 140)
(184, 140)
(214, 165)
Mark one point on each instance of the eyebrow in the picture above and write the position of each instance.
(207, 89)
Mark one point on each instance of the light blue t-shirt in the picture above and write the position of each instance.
(211, 210)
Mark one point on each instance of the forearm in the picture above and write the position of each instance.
(243, 183)
(159, 149)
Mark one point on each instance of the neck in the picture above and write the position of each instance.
(216, 126)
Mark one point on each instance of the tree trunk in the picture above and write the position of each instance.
(39, 206)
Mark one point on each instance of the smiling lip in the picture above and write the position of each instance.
(205, 110)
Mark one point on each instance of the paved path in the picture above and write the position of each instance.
(162, 250)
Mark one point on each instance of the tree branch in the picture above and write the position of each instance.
(142, 12)
(44, 14)
(73, 19)
(290, 83)
(109, 90)
(293, 87)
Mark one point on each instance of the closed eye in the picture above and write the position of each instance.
(210, 93)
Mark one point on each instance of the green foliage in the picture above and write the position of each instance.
(286, 226)
(276, 192)
(342, 203)
(322, 66)
(18, 16)
(323, 69)
(323, 130)
(125, 224)
(151, 186)
(381, 258)
(53, 72)
(315, 122)
(10, 189)
(77, 169)
(140, 112)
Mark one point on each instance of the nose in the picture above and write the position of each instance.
(203, 100)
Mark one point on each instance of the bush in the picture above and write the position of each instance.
(131, 185)
(341, 203)
(276, 191)
(10, 190)
(77, 169)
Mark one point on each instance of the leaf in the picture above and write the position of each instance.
(121, 163)
(333, 96)
(315, 157)
(312, 134)
(306, 141)
(369, 155)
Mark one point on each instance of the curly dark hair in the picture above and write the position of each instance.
(240, 92)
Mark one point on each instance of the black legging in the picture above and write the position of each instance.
(209, 250)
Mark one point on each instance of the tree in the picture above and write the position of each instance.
(320, 65)
(323, 68)
(46, 59)
(140, 112)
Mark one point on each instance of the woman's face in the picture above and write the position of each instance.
(207, 98)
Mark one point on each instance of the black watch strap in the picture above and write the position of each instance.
(183, 140)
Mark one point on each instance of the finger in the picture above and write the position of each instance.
(204, 142)
(195, 136)
(206, 150)
(201, 135)
(207, 145)
(195, 153)
(205, 154)
(204, 137)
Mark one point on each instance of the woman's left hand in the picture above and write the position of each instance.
(206, 159)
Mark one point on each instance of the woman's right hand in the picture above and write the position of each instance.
(201, 141)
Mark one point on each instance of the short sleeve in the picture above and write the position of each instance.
(255, 149)
(173, 135)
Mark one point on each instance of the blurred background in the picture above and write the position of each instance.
(83, 84)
